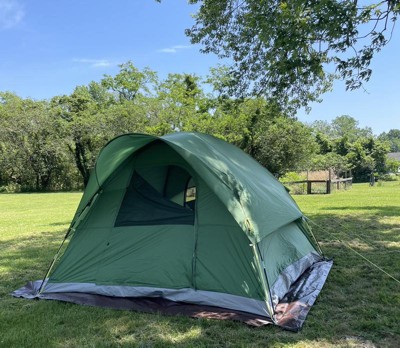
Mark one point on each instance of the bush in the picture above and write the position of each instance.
(389, 177)
(292, 176)
(294, 189)
(10, 188)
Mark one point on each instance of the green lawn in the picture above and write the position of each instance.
(358, 307)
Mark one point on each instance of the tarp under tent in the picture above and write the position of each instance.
(193, 221)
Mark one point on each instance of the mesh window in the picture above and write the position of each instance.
(144, 204)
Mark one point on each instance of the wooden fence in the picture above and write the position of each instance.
(318, 186)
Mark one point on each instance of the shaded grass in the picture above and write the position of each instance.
(359, 305)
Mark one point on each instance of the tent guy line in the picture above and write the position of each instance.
(347, 245)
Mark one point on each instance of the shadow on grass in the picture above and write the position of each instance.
(27, 258)
(368, 229)
(366, 298)
(357, 303)
(65, 223)
(381, 211)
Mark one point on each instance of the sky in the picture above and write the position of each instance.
(48, 47)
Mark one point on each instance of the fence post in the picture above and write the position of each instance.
(328, 187)
(309, 187)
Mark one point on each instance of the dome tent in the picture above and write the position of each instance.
(192, 219)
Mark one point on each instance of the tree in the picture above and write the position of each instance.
(343, 126)
(96, 113)
(31, 157)
(367, 155)
(79, 124)
(331, 160)
(392, 165)
(322, 127)
(284, 50)
(283, 145)
(180, 97)
(130, 81)
(393, 138)
(347, 126)
(326, 145)
(343, 145)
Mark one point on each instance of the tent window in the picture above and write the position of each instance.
(160, 199)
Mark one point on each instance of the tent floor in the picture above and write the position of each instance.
(290, 313)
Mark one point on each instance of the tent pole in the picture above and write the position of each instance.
(53, 262)
(264, 281)
(261, 269)
(196, 236)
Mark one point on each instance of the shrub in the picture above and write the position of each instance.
(292, 176)
(389, 177)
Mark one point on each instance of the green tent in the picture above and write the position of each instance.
(192, 219)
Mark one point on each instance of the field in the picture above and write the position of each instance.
(359, 305)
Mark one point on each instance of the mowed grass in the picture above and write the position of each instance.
(359, 306)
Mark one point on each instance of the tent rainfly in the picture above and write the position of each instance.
(190, 220)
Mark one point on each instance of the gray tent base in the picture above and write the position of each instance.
(290, 313)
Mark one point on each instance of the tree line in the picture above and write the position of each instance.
(48, 145)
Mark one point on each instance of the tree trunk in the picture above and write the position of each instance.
(80, 160)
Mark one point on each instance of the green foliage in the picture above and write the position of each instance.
(325, 144)
(181, 101)
(284, 145)
(392, 165)
(332, 160)
(343, 145)
(130, 82)
(78, 122)
(94, 114)
(367, 155)
(393, 138)
(389, 177)
(347, 126)
(292, 176)
(31, 157)
(53, 145)
(285, 50)
(341, 127)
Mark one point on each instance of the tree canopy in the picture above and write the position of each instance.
(290, 51)
(393, 138)
(343, 145)
(53, 144)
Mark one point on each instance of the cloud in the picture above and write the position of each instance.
(95, 63)
(11, 13)
(173, 49)
(167, 50)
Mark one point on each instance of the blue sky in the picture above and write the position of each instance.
(49, 47)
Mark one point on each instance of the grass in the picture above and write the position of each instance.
(358, 307)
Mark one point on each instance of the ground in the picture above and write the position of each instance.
(359, 305)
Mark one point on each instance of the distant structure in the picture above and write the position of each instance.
(320, 182)
(394, 155)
